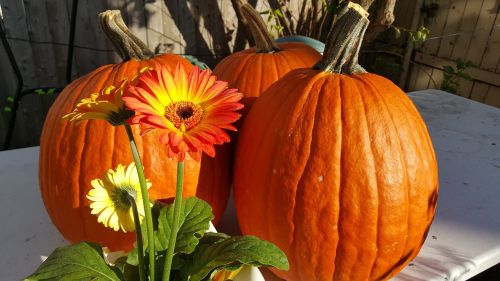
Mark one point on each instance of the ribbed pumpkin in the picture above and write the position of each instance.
(336, 167)
(252, 71)
(72, 155)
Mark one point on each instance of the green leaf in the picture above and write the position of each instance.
(231, 253)
(448, 69)
(196, 215)
(83, 261)
(278, 13)
(51, 91)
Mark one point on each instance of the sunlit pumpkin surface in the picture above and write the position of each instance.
(339, 172)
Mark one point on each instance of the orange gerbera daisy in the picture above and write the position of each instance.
(192, 108)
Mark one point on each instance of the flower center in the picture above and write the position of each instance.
(184, 113)
(120, 198)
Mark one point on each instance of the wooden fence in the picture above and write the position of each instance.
(467, 30)
(38, 33)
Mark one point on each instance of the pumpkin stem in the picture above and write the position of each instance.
(342, 49)
(264, 43)
(126, 44)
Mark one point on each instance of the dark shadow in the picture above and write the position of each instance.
(187, 20)
(241, 34)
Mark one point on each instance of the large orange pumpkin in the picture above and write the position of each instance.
(72, 155)
(335, 166)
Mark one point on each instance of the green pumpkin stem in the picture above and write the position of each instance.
(126, 44)
(342, 49)
(264, 43)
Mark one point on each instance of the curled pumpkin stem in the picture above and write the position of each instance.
(342, 49)
(264, 43)
(126, 44)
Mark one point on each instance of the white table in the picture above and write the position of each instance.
(463, 241)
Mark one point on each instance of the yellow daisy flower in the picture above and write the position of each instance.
(110, 198)
(105, 105)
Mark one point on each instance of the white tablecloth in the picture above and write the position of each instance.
(463, 240)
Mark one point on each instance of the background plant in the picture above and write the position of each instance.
(453, 74)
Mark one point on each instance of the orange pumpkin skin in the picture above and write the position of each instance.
(71, 155)
(339, 172)
(252, 73)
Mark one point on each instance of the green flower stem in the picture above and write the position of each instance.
(175, 223)
(138, 235)
(145, 202)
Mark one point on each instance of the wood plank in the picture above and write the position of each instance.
(38, 31)
(16, 27)
(8, 86)
(230, 21)
(212, 29)
(101, 41)
(58, 26)
(491, 56)
(468, 23)
(136, 14)
(84, 60)
(163, 34)
(436, 26)
(479, 91)
(437, 79)
(184, 22)
(476, 73)
(45, 58)
(452, 26)
(480, 38)
(423, 77)
(403, 12)
(409, 48)
(465, 88)
(493, 96)
(154, 27)
(412, 77)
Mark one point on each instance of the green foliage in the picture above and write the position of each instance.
(231, 253)
(452, 75)
(273, 20)
(83, 261)
(333, 6)
(195, 217)
(9, 103)
(419, 36)
(198, 253)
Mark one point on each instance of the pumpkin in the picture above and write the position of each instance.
(253, 70)
(72, 155)
(336, 167)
